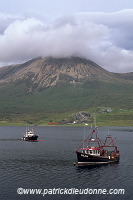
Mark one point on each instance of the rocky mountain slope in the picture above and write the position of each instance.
(48, 72)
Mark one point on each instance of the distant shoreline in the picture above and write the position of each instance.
(70, 125)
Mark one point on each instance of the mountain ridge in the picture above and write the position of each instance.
(54, 71)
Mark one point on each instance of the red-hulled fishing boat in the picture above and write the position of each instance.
(93, 152)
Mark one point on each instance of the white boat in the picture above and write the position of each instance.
(29, 135)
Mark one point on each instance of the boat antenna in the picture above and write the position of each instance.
(108, 131)
(33, 129)
(84, 133)
(95, 120)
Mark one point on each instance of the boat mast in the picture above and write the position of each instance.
(33, 129)
(95, 120)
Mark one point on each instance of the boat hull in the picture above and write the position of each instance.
(32, 138)
(86, 159)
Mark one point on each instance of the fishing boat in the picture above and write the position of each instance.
(29, 135)
(93, 152)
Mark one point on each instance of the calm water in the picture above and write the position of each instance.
(49, 163)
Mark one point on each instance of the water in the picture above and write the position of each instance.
(48, 164)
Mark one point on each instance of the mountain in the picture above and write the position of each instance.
(49, 72)
(56, 85)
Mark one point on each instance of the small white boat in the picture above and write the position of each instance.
(30, 136)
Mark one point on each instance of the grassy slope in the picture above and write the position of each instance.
(17, 105)
(116, 118)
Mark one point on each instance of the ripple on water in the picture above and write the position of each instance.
(49, 164)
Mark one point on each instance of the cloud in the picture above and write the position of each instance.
(105, 38)
(5, 21)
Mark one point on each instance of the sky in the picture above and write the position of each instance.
(99, 30)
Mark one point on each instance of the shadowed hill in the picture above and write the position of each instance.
(57, 85)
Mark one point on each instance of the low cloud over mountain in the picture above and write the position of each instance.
(105, 38)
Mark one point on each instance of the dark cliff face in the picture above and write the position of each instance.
(56, 71)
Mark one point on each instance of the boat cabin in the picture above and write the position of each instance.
(29, 133)
(91, 151)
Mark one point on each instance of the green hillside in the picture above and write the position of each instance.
(54, 103)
